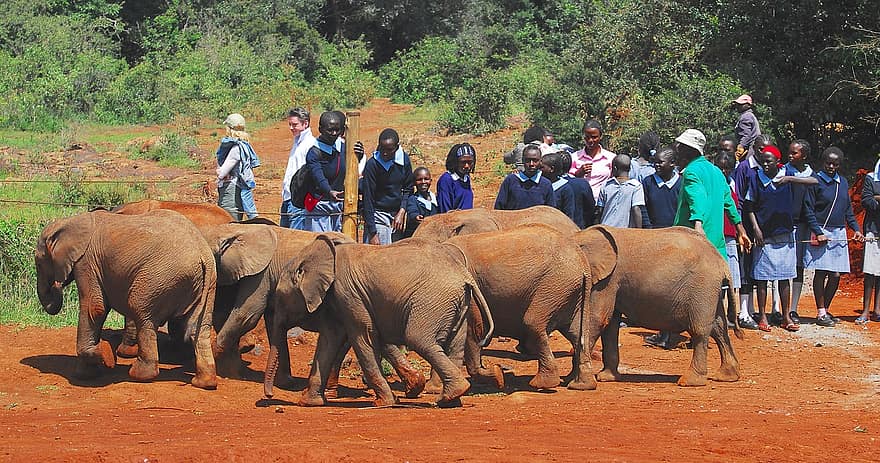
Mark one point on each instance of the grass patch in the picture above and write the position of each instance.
(28, 141)
(171, 149)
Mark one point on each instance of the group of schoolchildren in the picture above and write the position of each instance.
(794, 216)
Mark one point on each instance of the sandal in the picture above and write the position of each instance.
(791, 327)
(861, 320)
(763, 326)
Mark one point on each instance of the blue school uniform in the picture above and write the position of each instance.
(824, 219)
(584, 202)
(386, 186)
(661, 199)
(326, 166)
(418, 205)
(454, 192)
(564, 197)
(772, 205)
(520, 192)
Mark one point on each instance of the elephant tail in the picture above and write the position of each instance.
(472, 291)
(731, 302)
(271, 369)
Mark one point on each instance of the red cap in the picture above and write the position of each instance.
(772, 149)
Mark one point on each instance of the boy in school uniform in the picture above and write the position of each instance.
(521, 190)
(621, 198)
(662, 189)
(386, 186)
(422, 204)
(552, 169)
(584, 201)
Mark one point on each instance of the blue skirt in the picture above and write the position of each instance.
(733, 261)
(831, 257)
(776, 260)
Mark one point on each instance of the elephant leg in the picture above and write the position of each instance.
(697, 373)
(582, 334)
(454, 383)
(245, 315)
(206, 370)
(324, 363)
(473, 361)
(128, 348)
(548, 372)
(177, 333)
(729, 364)
(456, 353)
(366, 355)
(331, 386)
(412, 378)
(610, 350)
(91, 350)
(146, 366)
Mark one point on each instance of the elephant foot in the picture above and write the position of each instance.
(434, 385)
(607, 376)
(247, 343)
(596, 354)
(583, 385)
(331, 392)
(143, 371)
(384, 401)
(545, 381)
(493, 375)
(414, 383)
(127, 351)
(208, 382)
(309, 399)
(229, 365)
(727, 374)
(105, 351)
(454, 390)
(455, 403)
(692, 379)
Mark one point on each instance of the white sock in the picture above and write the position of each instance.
(744, 305)
(821, 311)
(776, 299)
(796, 288)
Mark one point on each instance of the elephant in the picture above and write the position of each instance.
(536, 280)
(131, 263)
(374, 296)
(441, 227)
(668, 279)
(200, 214)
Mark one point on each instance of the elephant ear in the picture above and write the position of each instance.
(64, 242)
(317, 270)
(243, 250)
(600, 247)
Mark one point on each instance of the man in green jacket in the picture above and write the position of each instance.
(705, 194)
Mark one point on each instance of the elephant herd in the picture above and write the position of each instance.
(462, 279)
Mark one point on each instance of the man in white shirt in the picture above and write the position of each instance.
(298, 121)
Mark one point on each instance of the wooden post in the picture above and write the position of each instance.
(349, 206)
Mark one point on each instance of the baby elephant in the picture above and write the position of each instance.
(152, 268)
(378, 295)
(668, 279)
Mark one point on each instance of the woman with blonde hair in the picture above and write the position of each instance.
(236, 160)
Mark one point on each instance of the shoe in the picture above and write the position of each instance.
(794, 317)
(747, 324)
(836, 320)
(776, 318)
(861, 320)
(825, 320)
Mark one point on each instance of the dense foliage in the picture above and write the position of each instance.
(661, 65)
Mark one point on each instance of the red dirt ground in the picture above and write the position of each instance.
(807, 396)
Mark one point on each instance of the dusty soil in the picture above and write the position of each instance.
(807, 396)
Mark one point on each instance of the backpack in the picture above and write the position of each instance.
(302, 183)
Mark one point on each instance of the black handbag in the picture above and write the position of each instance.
(300, 185)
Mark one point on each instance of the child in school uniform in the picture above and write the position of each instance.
(422, 204)
(798, 154)
(661, 190)
(621, 199)
(871, 262)
(768, 204)
(552, 169)
(829, 211)
(454, 186)
(521, 190)
(386, 186)
(584, 202)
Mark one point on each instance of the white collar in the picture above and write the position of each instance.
(668, 183)
(523, 178)
(456, 177)
(559, 183)
(429, 203)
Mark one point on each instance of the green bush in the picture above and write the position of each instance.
(480, 108)
(428, 71)
(172, 149)
(344, 81)
(71, 189)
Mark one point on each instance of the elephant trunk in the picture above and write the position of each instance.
(51, 298)
(271, 369)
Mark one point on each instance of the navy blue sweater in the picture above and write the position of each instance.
(515, 194)
(385, 190)
(872, 207)
(772, 205)
(327, 171)
(584, 202)
(818, 200)
(565, 200)
(415, 208)
(661, 202)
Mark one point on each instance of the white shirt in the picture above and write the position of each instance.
(297, 158)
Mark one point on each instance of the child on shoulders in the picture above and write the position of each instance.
(521, 190)
(621, 198)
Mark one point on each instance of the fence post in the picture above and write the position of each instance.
(352, 134)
